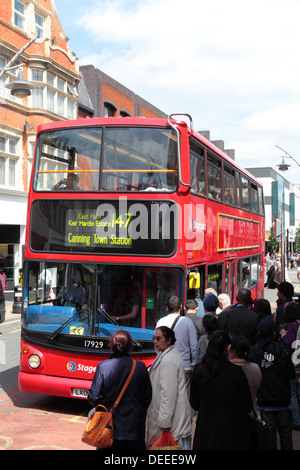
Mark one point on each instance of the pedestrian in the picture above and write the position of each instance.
(285, 292)
(210, 303)
(270, 276)
(263, 308)
(191, 308)
(288, 336)
(224, 302)
(221, 395)
(277, 277)
(291, 322)
(185, 333)
(169, 408)
(239, 320)
(239, 354)
(210, 324)
(129, 418)
(274, 394)
(194, 294)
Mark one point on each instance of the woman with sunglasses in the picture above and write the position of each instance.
(169, 409)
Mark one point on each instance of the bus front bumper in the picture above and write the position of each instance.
(55, 386)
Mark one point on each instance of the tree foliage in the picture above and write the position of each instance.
(273, 241)
(297, 240)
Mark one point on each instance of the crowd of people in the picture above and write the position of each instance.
(211, 375)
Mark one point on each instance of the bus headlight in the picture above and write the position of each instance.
(34, 361)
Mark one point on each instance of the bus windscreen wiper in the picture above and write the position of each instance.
(55, 333)
(111, 320)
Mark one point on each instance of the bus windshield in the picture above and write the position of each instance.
(106, 159)
(87, 298)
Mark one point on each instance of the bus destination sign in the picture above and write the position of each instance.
(112, 226)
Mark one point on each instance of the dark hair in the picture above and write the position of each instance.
(262, 307)
(174, 303)
(214, 354)
(191, 304)
(167, 333)
(121, 342)
(244, 296)
(210, 323)
(241, 346)
(291, 312)
(287, 289)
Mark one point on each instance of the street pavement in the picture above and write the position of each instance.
(31, 421)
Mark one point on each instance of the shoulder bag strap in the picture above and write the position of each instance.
(175, 321)
(125, 385)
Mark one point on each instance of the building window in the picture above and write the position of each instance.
(19, 14)
(50, 79)
(50, 100)
(8, 171)
(60, 84)
(12, 146)
(109, 110)
(8, 145)
(60, 104)
(37, 75)
(8, 163)
(2, 79)
(56, 95)
(39, 25)
(11, 172)
(125, 113)
(70, 110)
(37, 97)
(2, 170)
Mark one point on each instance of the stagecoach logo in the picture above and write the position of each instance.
(71, 366)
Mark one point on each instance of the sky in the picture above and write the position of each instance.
(233, 66)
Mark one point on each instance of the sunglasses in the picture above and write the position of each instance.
(157, 338)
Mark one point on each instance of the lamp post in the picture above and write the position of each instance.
(20, 87)
(283, 166)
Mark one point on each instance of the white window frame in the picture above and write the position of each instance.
(57, 96)
(39, 29)
(9, 155)
(19, 14)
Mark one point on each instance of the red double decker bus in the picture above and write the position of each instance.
(123, 213)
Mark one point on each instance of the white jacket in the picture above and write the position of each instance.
(170, 406)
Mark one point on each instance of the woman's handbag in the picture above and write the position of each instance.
(260, 431)
(99, 431)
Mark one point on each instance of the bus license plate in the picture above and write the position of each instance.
(80, 392)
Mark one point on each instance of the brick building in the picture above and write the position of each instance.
(51, 65)
(110, 98)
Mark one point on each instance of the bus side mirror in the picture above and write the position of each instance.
(194, 280)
